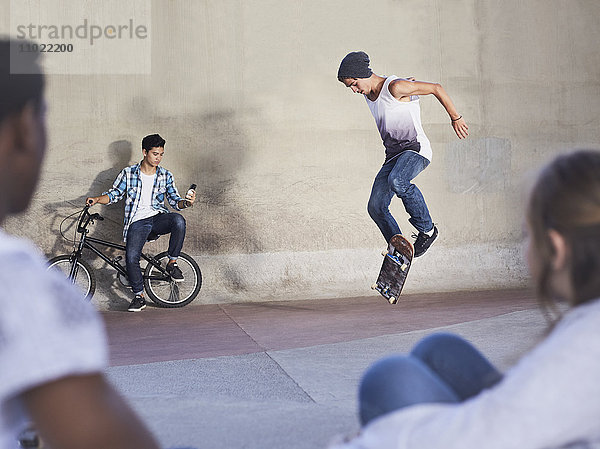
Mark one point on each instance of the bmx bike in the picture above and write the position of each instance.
(158, 284)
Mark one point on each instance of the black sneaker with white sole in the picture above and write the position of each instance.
(175, 272)
(138, 304)
(424, 241)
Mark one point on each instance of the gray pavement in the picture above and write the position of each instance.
(290, 398)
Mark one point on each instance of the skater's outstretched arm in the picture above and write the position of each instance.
(402, 88)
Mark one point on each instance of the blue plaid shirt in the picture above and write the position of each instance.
(128, 185)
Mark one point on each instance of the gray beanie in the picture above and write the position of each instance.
(355, 65)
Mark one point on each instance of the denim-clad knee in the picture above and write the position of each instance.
(178, 223)
(396, 382)
(376, 208)
(441, 368)
(406, 168)
(458, 363)
(401, 187)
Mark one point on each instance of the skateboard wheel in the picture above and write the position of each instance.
(374, 286)
(384, 253)
(392, 300)
(404, 267)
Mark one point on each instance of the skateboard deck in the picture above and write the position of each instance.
(395, 267)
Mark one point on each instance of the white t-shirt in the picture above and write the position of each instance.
(47, 331)
(550, 399)
(144, 208)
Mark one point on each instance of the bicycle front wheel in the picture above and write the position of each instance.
(84, 275)
(166, 292)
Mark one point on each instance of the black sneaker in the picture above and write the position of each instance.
(424, 241)
(175, 272)
(138, 304)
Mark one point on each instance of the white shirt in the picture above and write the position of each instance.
(145, 209)
(47, 331)
(550, 399)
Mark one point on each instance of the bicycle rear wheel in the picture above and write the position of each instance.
(167, 293)
(84, 275)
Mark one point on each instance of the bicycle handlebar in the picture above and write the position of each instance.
(85, 219)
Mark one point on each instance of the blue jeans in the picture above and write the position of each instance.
(395, 178)
(137, 235)
(441, 368)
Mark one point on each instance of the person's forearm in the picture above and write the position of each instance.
(104, 419)
(182, 204)
(440, 93)
(102, 199)
(403, 88)
(119, 427)
(458, 122)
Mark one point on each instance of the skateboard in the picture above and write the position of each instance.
(396, 263)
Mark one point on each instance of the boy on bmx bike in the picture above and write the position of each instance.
(145, 186)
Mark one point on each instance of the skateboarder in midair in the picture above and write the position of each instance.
(394, 103)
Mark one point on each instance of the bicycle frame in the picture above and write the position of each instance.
(86, 241)
(158, 282)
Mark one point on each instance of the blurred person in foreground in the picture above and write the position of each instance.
(53, 347)
(445, 394)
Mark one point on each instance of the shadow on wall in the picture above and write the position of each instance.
(211, 150)
(216, 149)
(119, 154)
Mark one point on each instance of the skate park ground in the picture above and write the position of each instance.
(285, 374)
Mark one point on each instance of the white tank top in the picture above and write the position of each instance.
(399, 123)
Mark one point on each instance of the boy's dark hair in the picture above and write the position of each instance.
(19, 89)
(152, 141)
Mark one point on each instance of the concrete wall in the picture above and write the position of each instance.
(245, 93)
